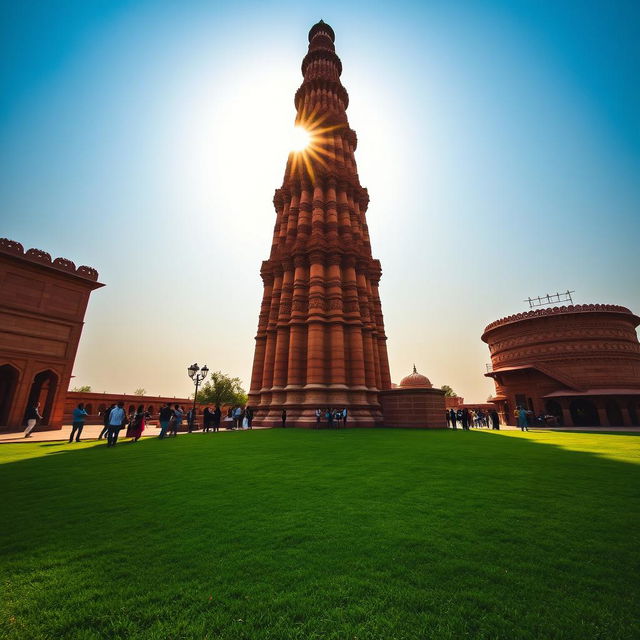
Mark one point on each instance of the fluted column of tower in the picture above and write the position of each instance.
(321, 342)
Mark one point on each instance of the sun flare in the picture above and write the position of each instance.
(300, 139)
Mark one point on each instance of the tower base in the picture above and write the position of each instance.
(363, 407)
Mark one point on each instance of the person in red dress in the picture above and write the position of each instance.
(137, 424)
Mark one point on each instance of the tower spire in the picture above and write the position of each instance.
(320, 340)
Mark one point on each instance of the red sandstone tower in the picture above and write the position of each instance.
(320, 340)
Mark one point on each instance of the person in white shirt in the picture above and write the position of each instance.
(117, 419)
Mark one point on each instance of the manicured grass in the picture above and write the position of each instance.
(367, 534)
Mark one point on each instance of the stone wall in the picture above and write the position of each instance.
(413, 408)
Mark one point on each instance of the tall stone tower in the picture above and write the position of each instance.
(320, 340)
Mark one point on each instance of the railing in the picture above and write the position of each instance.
(489, 367)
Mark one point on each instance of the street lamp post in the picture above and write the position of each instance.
(197, 375)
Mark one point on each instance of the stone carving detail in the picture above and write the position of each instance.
(557, 311)
(63, 263)
(299, 305)
(37, 255)
(11, 246)
(315, 302)
(87, 272)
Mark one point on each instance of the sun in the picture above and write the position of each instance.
(300, 139)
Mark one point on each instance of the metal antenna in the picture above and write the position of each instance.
(550, 298)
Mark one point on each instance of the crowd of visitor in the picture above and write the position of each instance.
(171, 417)
(468, 418)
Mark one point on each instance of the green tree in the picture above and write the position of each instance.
(83, 389)
(140, 392)
(221, 389)
(448, 391)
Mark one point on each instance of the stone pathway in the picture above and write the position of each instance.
(90, 432)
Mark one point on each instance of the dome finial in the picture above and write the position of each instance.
(322, 27)
(414, 368)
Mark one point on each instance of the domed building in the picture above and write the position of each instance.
(415, 380)
(579, 363)
(414, 403)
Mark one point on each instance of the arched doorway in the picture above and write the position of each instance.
(43, 390)
(633, 412)
(508, 418)
(552, 407)
(8, 385)
(614, 415)
(584, 413)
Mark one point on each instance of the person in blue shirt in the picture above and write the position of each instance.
(79, 415)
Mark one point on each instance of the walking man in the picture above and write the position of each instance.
(522, 419)
(79, 415)
(191, 419)
(164, 418)
(117, 418)
(237, 418)
(105, 421)
(344, 417)
(176, 420)
(33, 415)
(284, 418)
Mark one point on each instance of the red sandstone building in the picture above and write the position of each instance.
(414, 403)
(579, 363)
(96, 403)
(42, 307)
(321, 341)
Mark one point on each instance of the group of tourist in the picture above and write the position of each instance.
(170, 419)
(332, 417)
(239, 418)
(468, 418)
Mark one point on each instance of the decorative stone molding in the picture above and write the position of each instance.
(38, 255)
(64, 264)
(11, 246)
(42, 257)
(554, 311)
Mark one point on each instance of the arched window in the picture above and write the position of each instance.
(43, 390)
(8, 385)
(584, 413)
(552, 407)
(614, 415)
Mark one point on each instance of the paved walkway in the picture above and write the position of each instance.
(90, 432)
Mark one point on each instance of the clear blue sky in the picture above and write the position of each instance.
(499, 140)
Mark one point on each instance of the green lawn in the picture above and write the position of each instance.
(358, 534)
